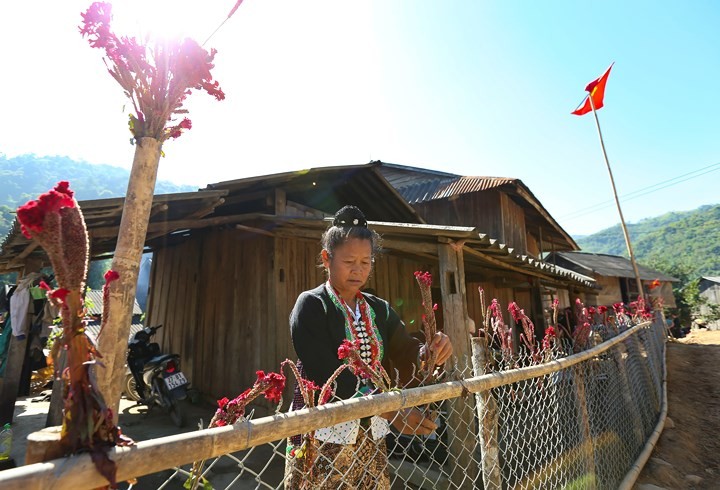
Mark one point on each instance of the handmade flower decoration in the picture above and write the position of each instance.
(157, 78)
(350, 352)
(56, 222)
(424, 280)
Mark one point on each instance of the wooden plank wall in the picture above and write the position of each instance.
(225, 296)
(479, 209)
(173, 302)
(513, 217)
(393, 279)
(610, 292)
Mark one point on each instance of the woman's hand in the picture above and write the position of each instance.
(411, 421)
(441, 347)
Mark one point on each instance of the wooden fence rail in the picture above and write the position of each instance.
(77, 472)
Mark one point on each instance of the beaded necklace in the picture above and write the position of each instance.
(360, 325)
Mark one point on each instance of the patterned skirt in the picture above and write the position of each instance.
(359, 466)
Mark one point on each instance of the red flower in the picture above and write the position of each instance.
(275, 384)
(111, 276)
(549, 338)
(591, 310)
(60, 293)
(32, 215)
(345, 349)
(222, 402)
(602, 309)
(157, 79)
(309, 385)
(424, 278)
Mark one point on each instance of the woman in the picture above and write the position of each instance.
(353, 454)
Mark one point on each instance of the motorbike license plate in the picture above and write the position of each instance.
(175, 381)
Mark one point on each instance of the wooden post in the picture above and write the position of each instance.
(126, 262)
(488, 417)
(631, 405)
(55, 415)
(461, 464)
(586, 445)
(43, 445)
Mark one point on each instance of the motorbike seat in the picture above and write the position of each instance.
(160, 359)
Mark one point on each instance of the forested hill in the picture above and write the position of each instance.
(687, 241)
(27, 176)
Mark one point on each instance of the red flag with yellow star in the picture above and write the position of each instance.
(596, 90)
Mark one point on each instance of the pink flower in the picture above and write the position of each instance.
(602, 309)
(515, 311)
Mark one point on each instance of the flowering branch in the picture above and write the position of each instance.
(374, 371)
(157, 79)
(55, 221)
(424, 280)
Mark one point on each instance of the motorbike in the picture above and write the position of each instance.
(164, 384)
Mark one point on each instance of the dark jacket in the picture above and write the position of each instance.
(317, 328)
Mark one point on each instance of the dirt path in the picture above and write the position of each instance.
(687, 455)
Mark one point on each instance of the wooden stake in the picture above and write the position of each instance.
(488, 417)
(461, 419)
(617, 202)
(113, 340)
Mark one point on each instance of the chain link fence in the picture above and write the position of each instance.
(576, 425)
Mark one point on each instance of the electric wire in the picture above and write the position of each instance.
(642, 192)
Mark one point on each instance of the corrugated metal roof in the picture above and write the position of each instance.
(609, 266)
(96, 303)
(441, 188)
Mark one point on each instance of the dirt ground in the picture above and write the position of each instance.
(687, 455)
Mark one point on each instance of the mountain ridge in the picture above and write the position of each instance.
(25, 177)
(687, 240)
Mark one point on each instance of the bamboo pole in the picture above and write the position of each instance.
(488, 417)
(77, 472)
(126, 262)
(617, 201)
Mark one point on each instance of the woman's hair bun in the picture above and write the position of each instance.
(349, 216)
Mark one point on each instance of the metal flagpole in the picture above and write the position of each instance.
(617, 201)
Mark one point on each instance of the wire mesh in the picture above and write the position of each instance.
(581, 426)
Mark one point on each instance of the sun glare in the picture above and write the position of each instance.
(159, 19)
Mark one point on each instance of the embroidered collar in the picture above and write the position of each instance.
(360, 325)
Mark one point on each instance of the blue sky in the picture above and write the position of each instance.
(472, 87)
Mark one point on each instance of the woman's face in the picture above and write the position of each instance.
(349, 267)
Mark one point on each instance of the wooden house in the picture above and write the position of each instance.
(230, 260)
(615, 275)
(506, 210)
(710, 292)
